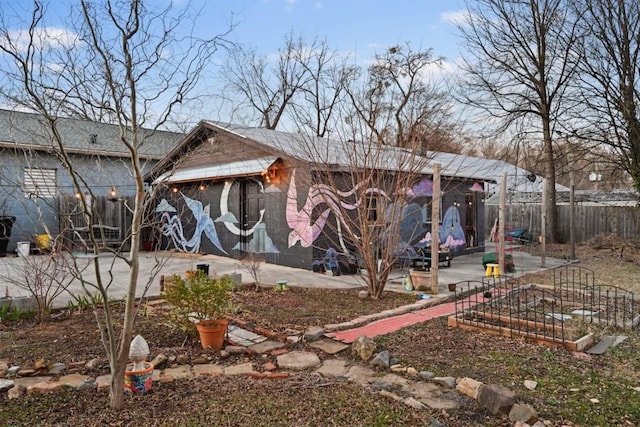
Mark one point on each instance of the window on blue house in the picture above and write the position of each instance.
(40, 182)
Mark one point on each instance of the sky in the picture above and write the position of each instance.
(357, 28)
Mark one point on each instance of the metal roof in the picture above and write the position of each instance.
(353, 154)
(227, 170)
(28, 131)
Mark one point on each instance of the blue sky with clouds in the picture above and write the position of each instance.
(358, 26)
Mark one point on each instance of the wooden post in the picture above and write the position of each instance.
(572, 215)
(543, 224)
(501, 219)
(435, 225)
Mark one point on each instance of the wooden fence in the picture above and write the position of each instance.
(591, 221)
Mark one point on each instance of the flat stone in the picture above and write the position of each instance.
(422, 390)
(360, 375)
(333, 368)
(235, 349)
(413, 403)
(603, 345)
(57, 368)
(177, 373)
(427, 375)
(329, 346)
(88, 384)
(243, 337)
(266, 346)
(103, 381)
(208, 369)
(292, 339)
(445, 381)
(298, 360)
(439, 403)
(46, 387)
(530, 384)
(29, 381)
(619, 339)
(6, 384)
(73, 380)
(394, 379)
(313, 333)
(241, 369)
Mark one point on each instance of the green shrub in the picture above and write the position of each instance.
(199, 298)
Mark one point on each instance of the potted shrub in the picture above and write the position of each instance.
(205, 301)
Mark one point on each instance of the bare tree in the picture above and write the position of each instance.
(518, 70)
(266, 88)
(43, 277)
(609, 82)
(328, 75)
(123, 63)
(400, 102)
(358, 198)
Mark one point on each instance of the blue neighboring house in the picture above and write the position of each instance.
(32, 176)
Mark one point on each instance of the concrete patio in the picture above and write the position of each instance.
(153, 265)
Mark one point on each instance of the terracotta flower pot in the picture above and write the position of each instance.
(421, 280)
(138, 382)
(212, 333)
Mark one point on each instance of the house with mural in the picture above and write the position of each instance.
(229, 189)
(34, 183)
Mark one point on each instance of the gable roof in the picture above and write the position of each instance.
(337, 153)
(26, 131)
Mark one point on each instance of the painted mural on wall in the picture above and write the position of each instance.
(306, 231)
(172, 226)
(305, 228)
(413, 215)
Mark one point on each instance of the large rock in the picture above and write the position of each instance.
(313, 333)
(364, 347)
(523, 413)
(6, 384)
(496, 398)
(381, 359)
(469, 387)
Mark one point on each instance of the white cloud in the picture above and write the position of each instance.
(455, 17)
(43, 38)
